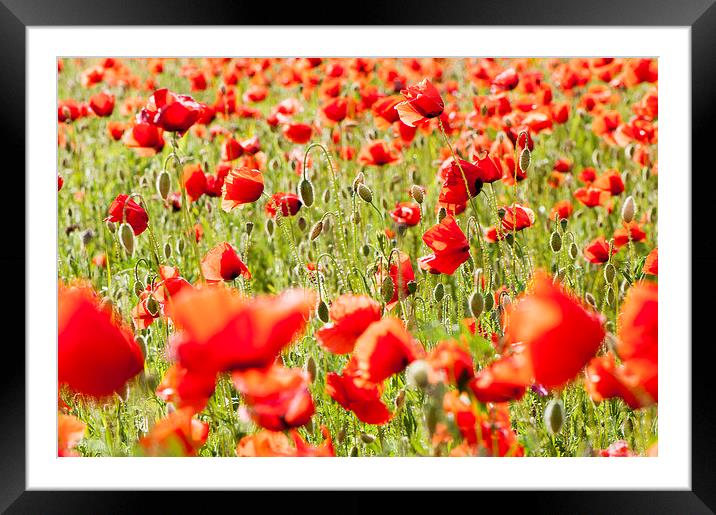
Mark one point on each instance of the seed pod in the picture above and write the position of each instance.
(609, 273)
(412, 287)
(126, 238)
(439, 292)
(476, 303)
(305, 191)
(387, 289)
(316, 230)
(326, 196)
(590, 300)
(302, 224)
(525, 159)
(152, 306)
(111, 226)
(180, 246)
(269, 226)
(573, 251)
(417, 193)
(417, 374)
(610, 296)
(311, 368)
(364, 193)
(167, 250)
(367, 438)
(322, 312)
(442, 213)
(249, 227)
(164, 184)
(554, 416)
(489, 301)
(628, 209)
(138, 287)
(555, 242)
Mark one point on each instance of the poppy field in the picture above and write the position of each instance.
(357, 257)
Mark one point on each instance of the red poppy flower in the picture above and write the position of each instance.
(256, 93)
(485, 170)
(451, 362)
(221, 332)
(172, 112)
(102, 104)
(179, 434)
(298, 133)
(186, 390)
(231, 149)
(336, 110)
(630, 231)
(503, 380)
(517, 217)
(277, 398)
(289, 203)
(116, 129)
(505, 80)
(637, 326)
(70, 110)
(222, 263)
(588, 175)
(171, 283)
(124, 209)
(96, 354)
(194, 181)
(401, 273)
(559, 334)
(70, 430)
(449, 245)
(423, 102)
(561, 210)
(241, 186)
(60, 182)
(145, 138)
(359, 396)
(377, 154)
(591, 196)
(597, 251)
(197, 80)
(272, 443)
(251, 145)
(606, 380)
(406, 213)
(384, 110)
(651, 265)
(385, 348)
(610, 181)
(350, 315)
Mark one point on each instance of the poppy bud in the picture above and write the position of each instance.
(417, 374)
(249, 227)
(360, 179)
(164, 184)
(501, 212)
(305, 190)
(152, 306)
(489, 301)
(610, 296)
(367, 438)
(627, 427)
(609, 273)
(439, 292)
(180, 246)
(340, 435)
(442, 213)
(142, 344)
(400, 399)
(387, 289)
(476, 303)
(316, 230)
(111, 226)
(563, 224)
(269, 226)
(590, 300)
(559, 276)
(554, 416)
(555, 242)
(364, 193)
(322, 312)
(138, 287)
(326, 196)
(525, 159)
(412, 287)
(354, 452)
(628, 209)
(167, 250)
(126, 237)
(311, 368)
(302, 224)
(355, 217)
(417, 193)
(573, 251)
(87, 237)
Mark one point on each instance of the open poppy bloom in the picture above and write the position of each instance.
(606, 380)
(70, 430)
(186, 390)
(350, 315)
(97, 355)
(145, 138)
(241, 186)
(384, 111)
(222, 263)
(336, 110)
(273, 443)
(451, 362)
(485, 170)
(591, 196)
(277, 397)
(124, 209)
(179, 434)
(559, 335)
(231, 149)
(170, 284)
(355, 394)
(517, 217)
(102, 104)
(450, 247)
(423, 101)
(289, 203)
(503, 380)
(628, 232)
(651, 265)
(406, 213)
(377, 154)
(401, 273)
(194, 180)
(298, 133)
(610, 181)
(172, 112)
(597, 251)
(561, 210)
(385, 348)
(505, 81)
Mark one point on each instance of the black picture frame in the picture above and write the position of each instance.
(17, 15)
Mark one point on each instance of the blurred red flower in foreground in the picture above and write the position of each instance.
(97, 354)
(450, 247)
(124, 209)
(350, 315)
(179, 434)
(358, 395)
(70, 431)
(651, 265)
(222, 263)
(271, 443)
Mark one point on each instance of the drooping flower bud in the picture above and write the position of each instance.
(525, 159)
(322, 312)
(609, 273)
(164, 183)
(412, 287)
(305, 191)
(489, 301)
(269, 226)
(439, 292)
(555, 242)
(249, 227)
(417, 193)
(573, 251)
(442, 213)
(387, 289)
(138, 287)
(476, 303)
(167, 250)
(628, 209)
(126, 237)
(152, 306)
(554, 416)
(367, 438)
(316, 230)
(364, 193)
(311, 368)
(417, 374)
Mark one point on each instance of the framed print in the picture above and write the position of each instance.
(281, 259)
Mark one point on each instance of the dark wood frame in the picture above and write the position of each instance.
(17, 15)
